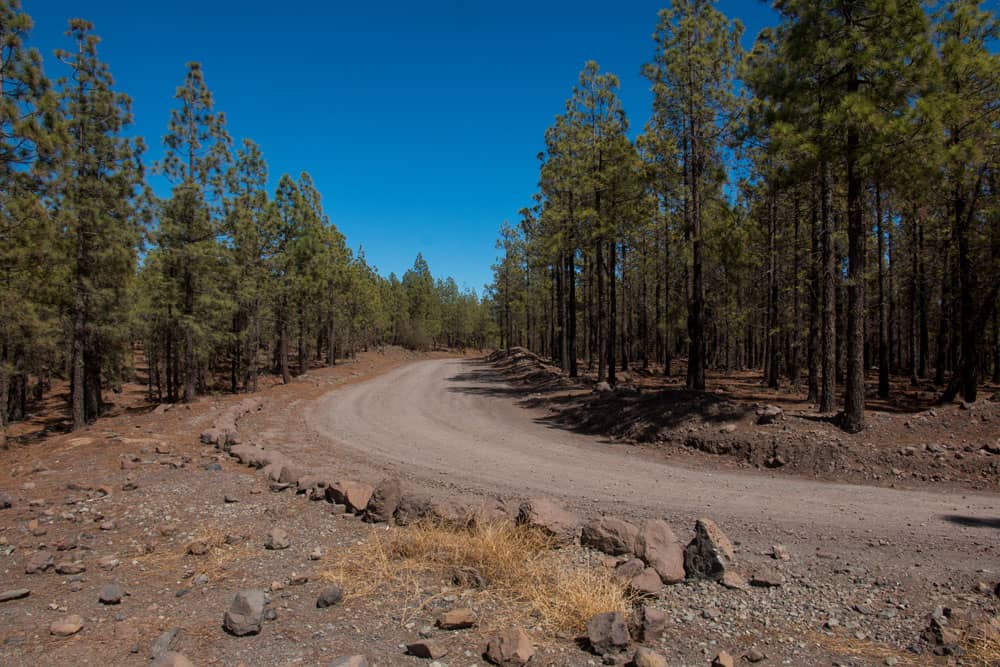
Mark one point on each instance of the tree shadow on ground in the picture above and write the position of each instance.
(973, 521)
(639, 415)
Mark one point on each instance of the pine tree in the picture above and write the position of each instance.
(693, 74)
(101, 176)
(196, 156)
(966, 105)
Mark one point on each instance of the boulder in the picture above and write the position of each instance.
(426, 649)
(610, 535)
(355, 495)
(769, 414)
(645, 657)
(509, 648)
(412, 508)
(312, 485)
(291, 473)
(276, 539)
(350, 661)
(246, 613)
(384, 501)
(457, 619)
(647, 623)
(272, 470)
(171, 659)
(646, 583)
(608, 633)
(710, 553)
(67, 626)
(330, 596)
(550, 518)
(660, 549)
(629, 569)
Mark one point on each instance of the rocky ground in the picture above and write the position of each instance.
(170, 531)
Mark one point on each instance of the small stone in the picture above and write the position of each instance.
(230, 499)
(723, 659)
(329, 597)
(14, 594)
(107, 525)
(39, 562)
(234, 538)
(246, 613)
(457, 619)
(608, 633)
(779, 552)
(166, 642)
(108, 563)
(733, 580)
(755, 656)
(647, 623)
(171, 659)
(766, 578)
(350, 661)
(66, 627)
(111, 594)
(67, 567)
(511, 648)
(277, 538)
(426, 649)
(197, 548)
(645, 657)
(316, 554)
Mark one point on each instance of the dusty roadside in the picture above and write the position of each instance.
(135, 500)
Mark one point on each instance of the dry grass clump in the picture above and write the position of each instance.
(524, 577)
(982, 648)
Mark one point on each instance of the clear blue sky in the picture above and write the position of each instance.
(419, 121)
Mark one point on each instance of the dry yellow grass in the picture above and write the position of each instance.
(982, 648)
(526, 578)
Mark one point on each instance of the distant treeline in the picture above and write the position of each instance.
(216, 283)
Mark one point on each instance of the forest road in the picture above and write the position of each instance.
(455, 423)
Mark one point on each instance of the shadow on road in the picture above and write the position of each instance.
(973, 521)
(636, 415)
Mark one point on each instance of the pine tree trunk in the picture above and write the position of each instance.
(612, 310)
(966, 287)
(283, 367)
(854, 394)
(571, 323)
(602, 369)
(773, 365)
(828, 355)
(190, 371)
(883, 310)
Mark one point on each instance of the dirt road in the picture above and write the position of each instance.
(453, 422)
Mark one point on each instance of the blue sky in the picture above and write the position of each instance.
(419, 121)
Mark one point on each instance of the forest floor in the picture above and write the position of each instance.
(125, 501)
(910, 440)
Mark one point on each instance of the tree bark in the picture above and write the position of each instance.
(854, 394)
